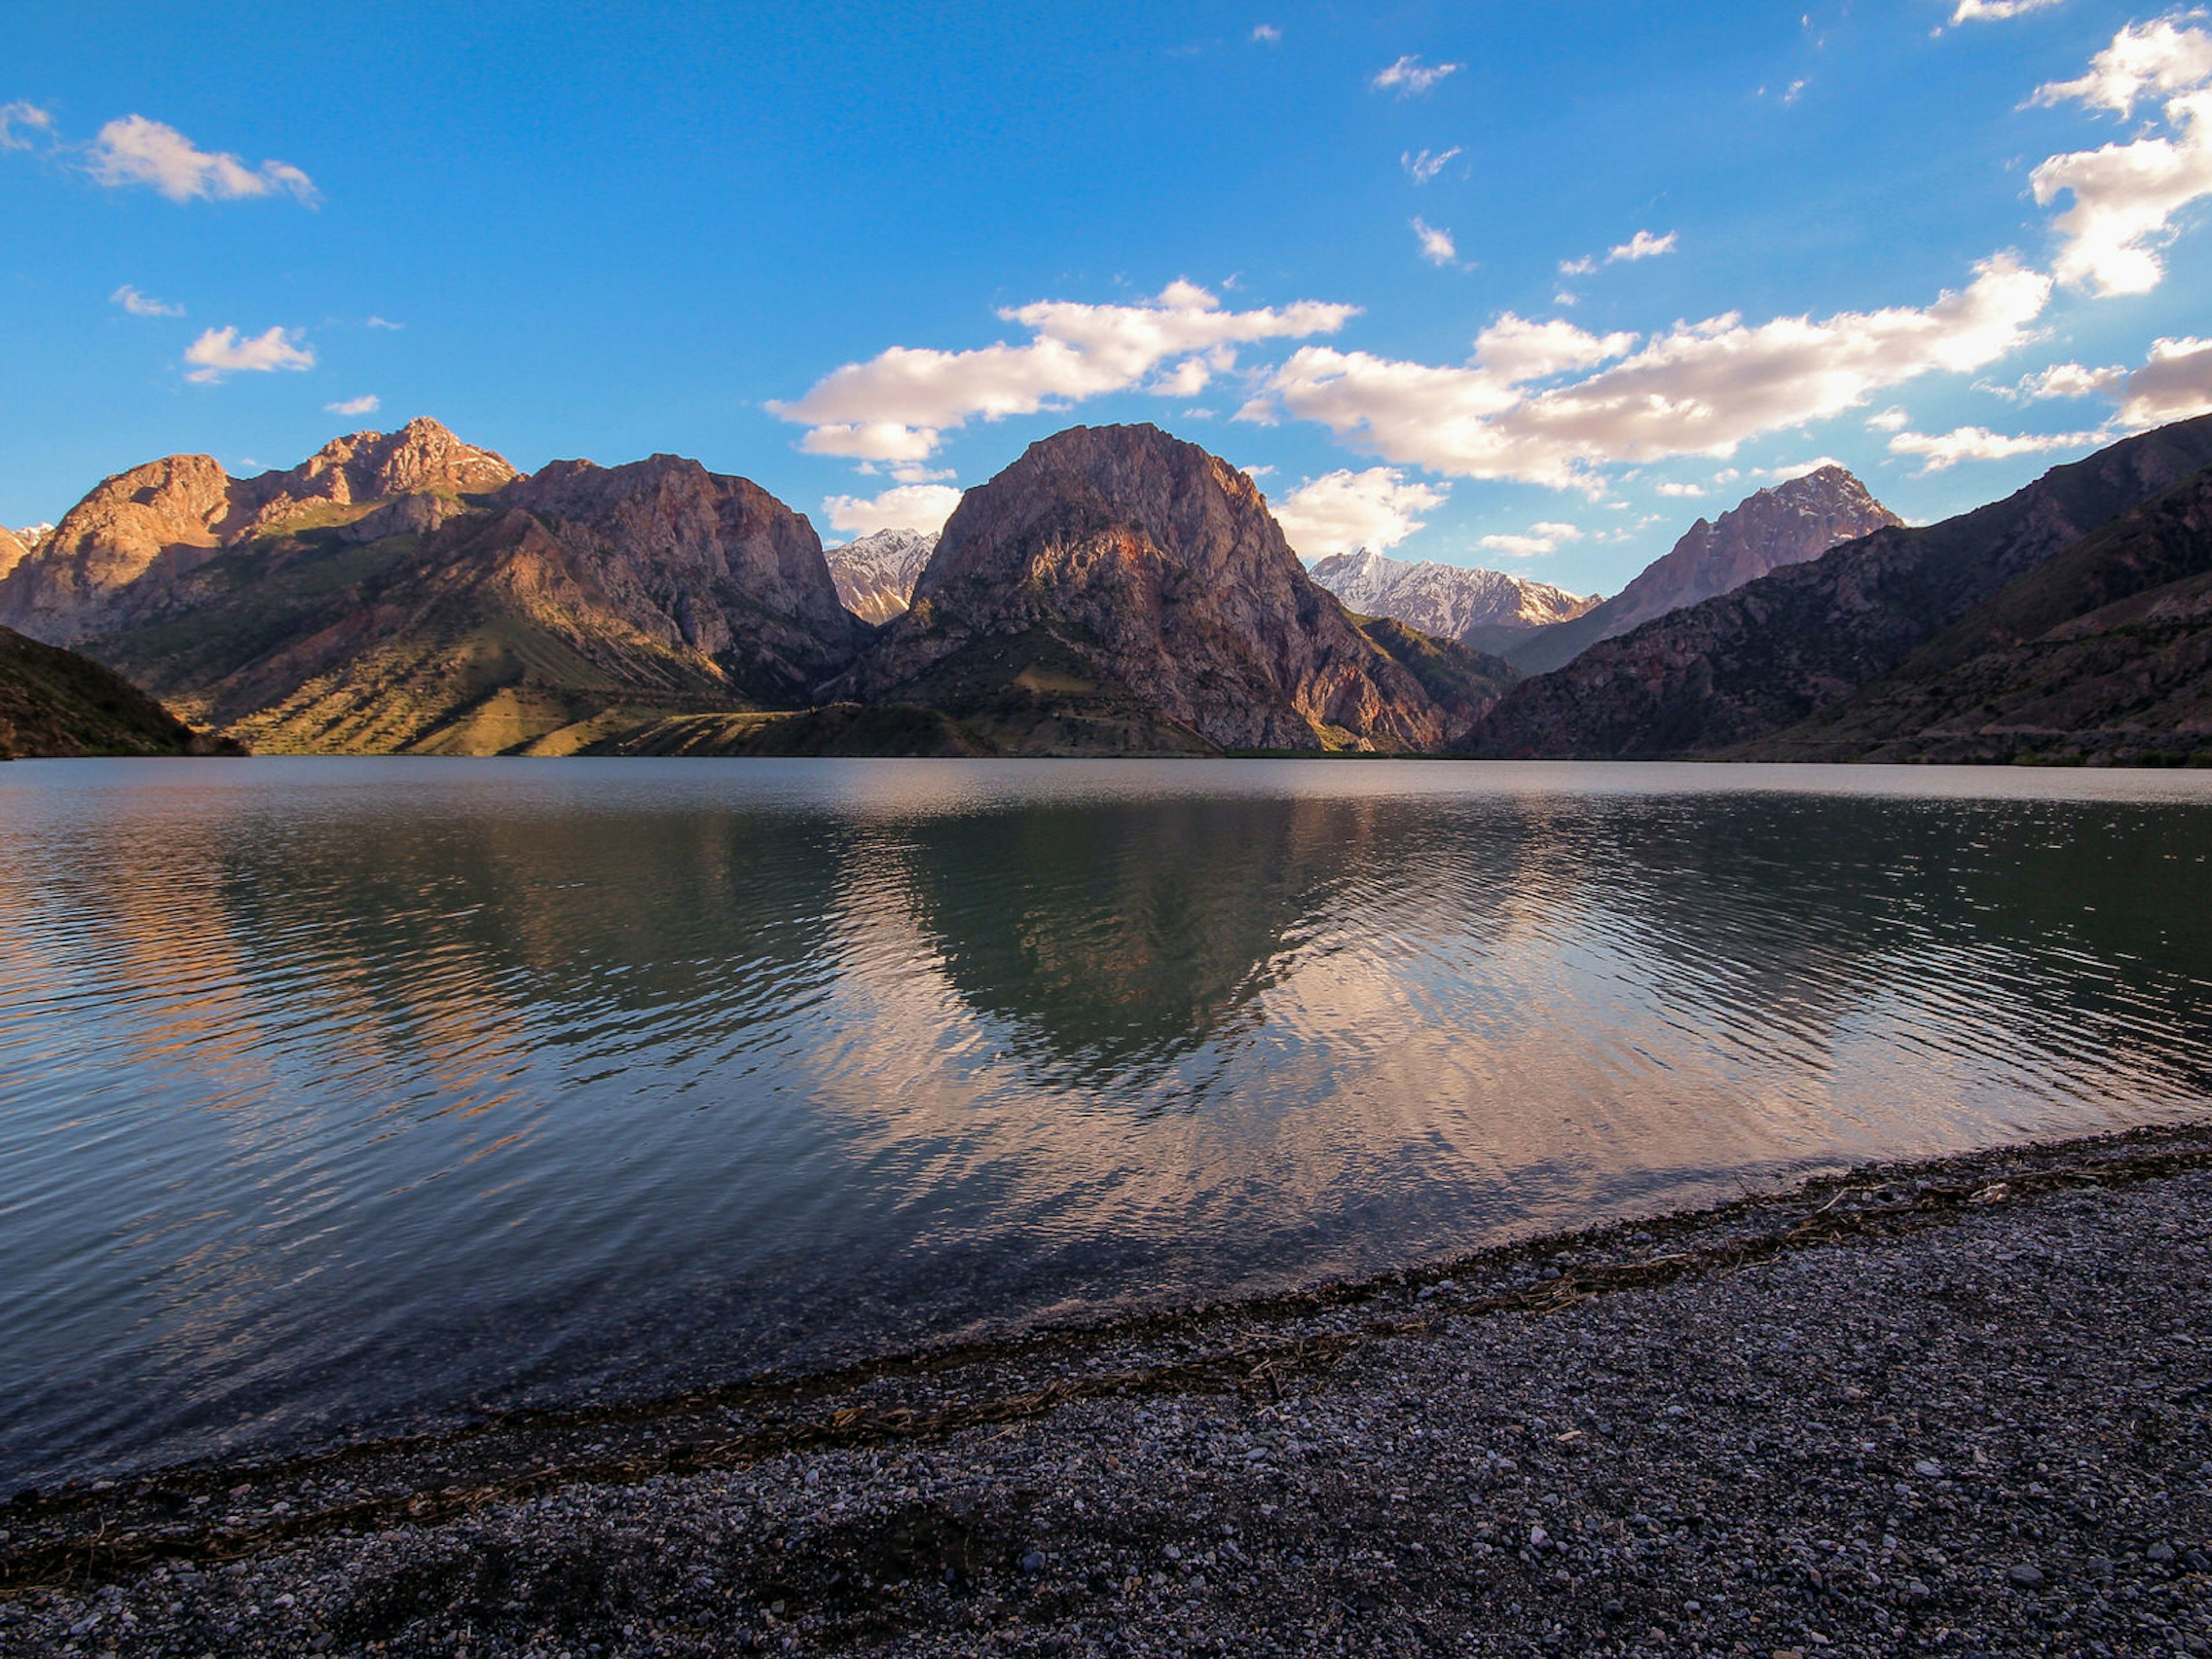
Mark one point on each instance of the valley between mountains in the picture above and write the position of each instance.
(1115, 591)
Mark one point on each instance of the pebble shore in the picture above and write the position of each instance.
(1962, 1407)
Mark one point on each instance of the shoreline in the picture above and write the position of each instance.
(436, 1495)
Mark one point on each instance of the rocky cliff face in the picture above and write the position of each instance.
(1485, 610)
(1801, 640)
(876, 574)
(410, 591)
(1791, 523)
(14, 550)
(738, 574)
(1117, 588)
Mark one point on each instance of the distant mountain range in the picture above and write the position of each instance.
(1113, 590)
(1485, 610)
(1789, 524)
(876, 574)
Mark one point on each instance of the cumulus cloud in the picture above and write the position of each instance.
(2174, 385)
(1409, 77)
(1996, 11)
(221, 351)
(1979, 443)
(1698, 388)
(898, 406)
(142, 305)
(1542, 538)
(1581, 267)
(923, 507)
(1426, 164)
(366, 405)
(1643, 246)
(1681, 489)
(1266, 33)
(2072, 381)
(133, 150)
(1889, 420)
(25, 116)
(2125, 196)
(1436, 246)
(1377, 508)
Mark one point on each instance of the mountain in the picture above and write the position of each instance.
(56, 703)
(1466, 684)
(875, 574)
(14, 548)
(408, 591)
(1789, 524)
(1486, 609)
(2103, 651)
(1740, 667)
(1118, 590)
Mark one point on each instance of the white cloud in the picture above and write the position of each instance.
(221, 351)
(142, 305)
(2174, 385)
(1892, 419)
(134, 150)
(380, 322)
(909, 506)
(1994, 11)
(1681, 489)
(1344, 509)
(1408, 77)
(15, 115)
(1542, 538)
(1427, 164)
(898, 406)
(1797, 468)
(1643, 246)
(1436, 246)
(914, 473)
(367, 406)
(1266, 33)
(1581, 267)
(2072, 381)
(1700, 388)
(1979, 443)
(2125, 196)
(1518, 350)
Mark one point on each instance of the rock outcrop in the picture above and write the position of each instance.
(14, 550)
(1483, 610)
(1789, 524)
(876, 574)
(1117, 589)
(1800, 640)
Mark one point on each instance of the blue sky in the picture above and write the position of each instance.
(1386, 256)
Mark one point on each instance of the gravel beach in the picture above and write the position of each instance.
(1957, 1407)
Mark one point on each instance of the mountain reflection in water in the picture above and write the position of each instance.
(335, 1095)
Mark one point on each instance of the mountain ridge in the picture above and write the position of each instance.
(1484, 609)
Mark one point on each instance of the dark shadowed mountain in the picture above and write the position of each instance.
(1803, 639)
(1117, 590)
(1789, 524)
(2103, 651)
(56, 703)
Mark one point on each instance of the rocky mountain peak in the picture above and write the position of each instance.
(422, 457)
(875, 573)
(1116, 576)
(1483, 609)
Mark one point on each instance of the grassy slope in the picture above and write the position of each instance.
(839, 729)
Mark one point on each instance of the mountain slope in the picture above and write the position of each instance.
(1116, 589)
(876, 573)
(14, 550)
(2104, 650)
(1802, 639)
(56, 703)
(463, 609)
(1789, 524)
(1485, 610)
(1464, 684)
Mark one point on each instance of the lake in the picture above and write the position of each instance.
(341, 1095)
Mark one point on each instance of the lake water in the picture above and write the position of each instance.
(339, 1095)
